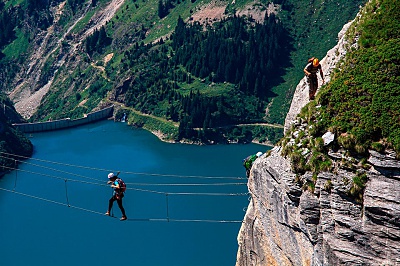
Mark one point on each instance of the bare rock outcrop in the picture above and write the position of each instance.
(287, 223)
(328, 64)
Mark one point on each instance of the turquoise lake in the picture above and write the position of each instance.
(194, 187)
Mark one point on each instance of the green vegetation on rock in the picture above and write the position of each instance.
(361, 103)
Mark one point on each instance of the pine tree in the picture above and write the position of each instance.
(161, 9)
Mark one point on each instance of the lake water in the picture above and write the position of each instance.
(71, 166)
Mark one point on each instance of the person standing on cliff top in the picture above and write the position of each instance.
(311, 70)
(119, 187)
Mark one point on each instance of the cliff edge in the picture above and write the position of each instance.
(287, 223)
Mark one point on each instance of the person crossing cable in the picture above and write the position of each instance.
(119, 187)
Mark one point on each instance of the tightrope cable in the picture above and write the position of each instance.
(183, 220)
(112, 207)
(133, 187)
(166, 198)
(124, 172)
(66, 192)
(52, 169)
(168, 219)
(51, 201)
(186, 184)
(16, 174)
(55, 177)
(130, 188)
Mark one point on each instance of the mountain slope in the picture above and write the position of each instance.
(82, 53)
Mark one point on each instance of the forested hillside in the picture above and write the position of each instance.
(174, 66)
(12, 141)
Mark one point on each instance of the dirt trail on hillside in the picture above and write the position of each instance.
(26, 96)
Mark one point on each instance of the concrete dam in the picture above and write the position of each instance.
(66, 122)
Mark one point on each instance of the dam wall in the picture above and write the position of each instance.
(65, 123)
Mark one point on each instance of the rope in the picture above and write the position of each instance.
(60, 171)
(67, 204)
(134, 184)
(187, 176)
(53, 169)
(51, 201)
(167, 219)
(189, 193)
(112, 207)
(186, 184)
(53, 176)
(166, 198)
(129, 173)
(136, 189)
(183, 220)
(66, 193)
(130, 219)
(16, 174)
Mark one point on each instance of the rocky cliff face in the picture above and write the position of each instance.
(288, 224)
(285, 225)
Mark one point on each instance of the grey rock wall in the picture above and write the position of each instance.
(286, 224)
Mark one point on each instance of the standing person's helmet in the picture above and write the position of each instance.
(315, 62)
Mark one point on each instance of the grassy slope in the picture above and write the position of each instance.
(360, 104)
(363, 99)
(314, 26)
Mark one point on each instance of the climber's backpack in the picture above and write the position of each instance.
(122, 185)
(249, 160)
